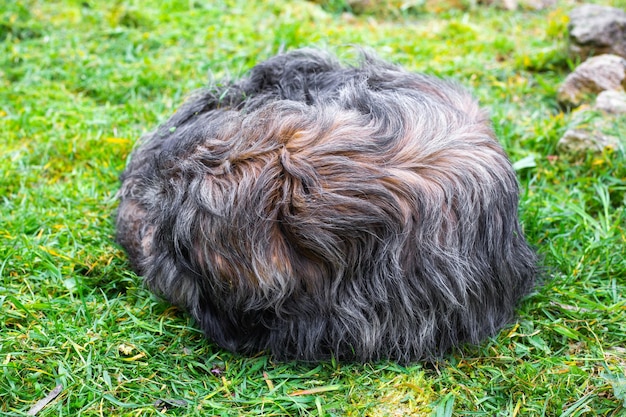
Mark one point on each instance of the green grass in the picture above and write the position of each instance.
(80, 81)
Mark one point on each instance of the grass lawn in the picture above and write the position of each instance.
(81, 81)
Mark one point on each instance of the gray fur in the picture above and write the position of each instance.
(314, 210)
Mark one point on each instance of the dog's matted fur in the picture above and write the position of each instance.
(313, 210)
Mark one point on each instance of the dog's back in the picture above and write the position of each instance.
(312, 209)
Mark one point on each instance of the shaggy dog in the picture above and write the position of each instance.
(315, 210)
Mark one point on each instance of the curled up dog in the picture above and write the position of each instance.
(312, 210)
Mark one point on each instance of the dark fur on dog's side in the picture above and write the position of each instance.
(315, 210)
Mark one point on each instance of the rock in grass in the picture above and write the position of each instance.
(597, 74)
(591, 131)
(521, 4)
(613, 102)
(597, 30)
(371, 7)
(581, 141)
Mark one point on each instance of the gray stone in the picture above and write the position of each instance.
(520, 4)
(580, 141)
(597, 74)
(596, 30)
(591, 131)
(537, 4)
(611, 102)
